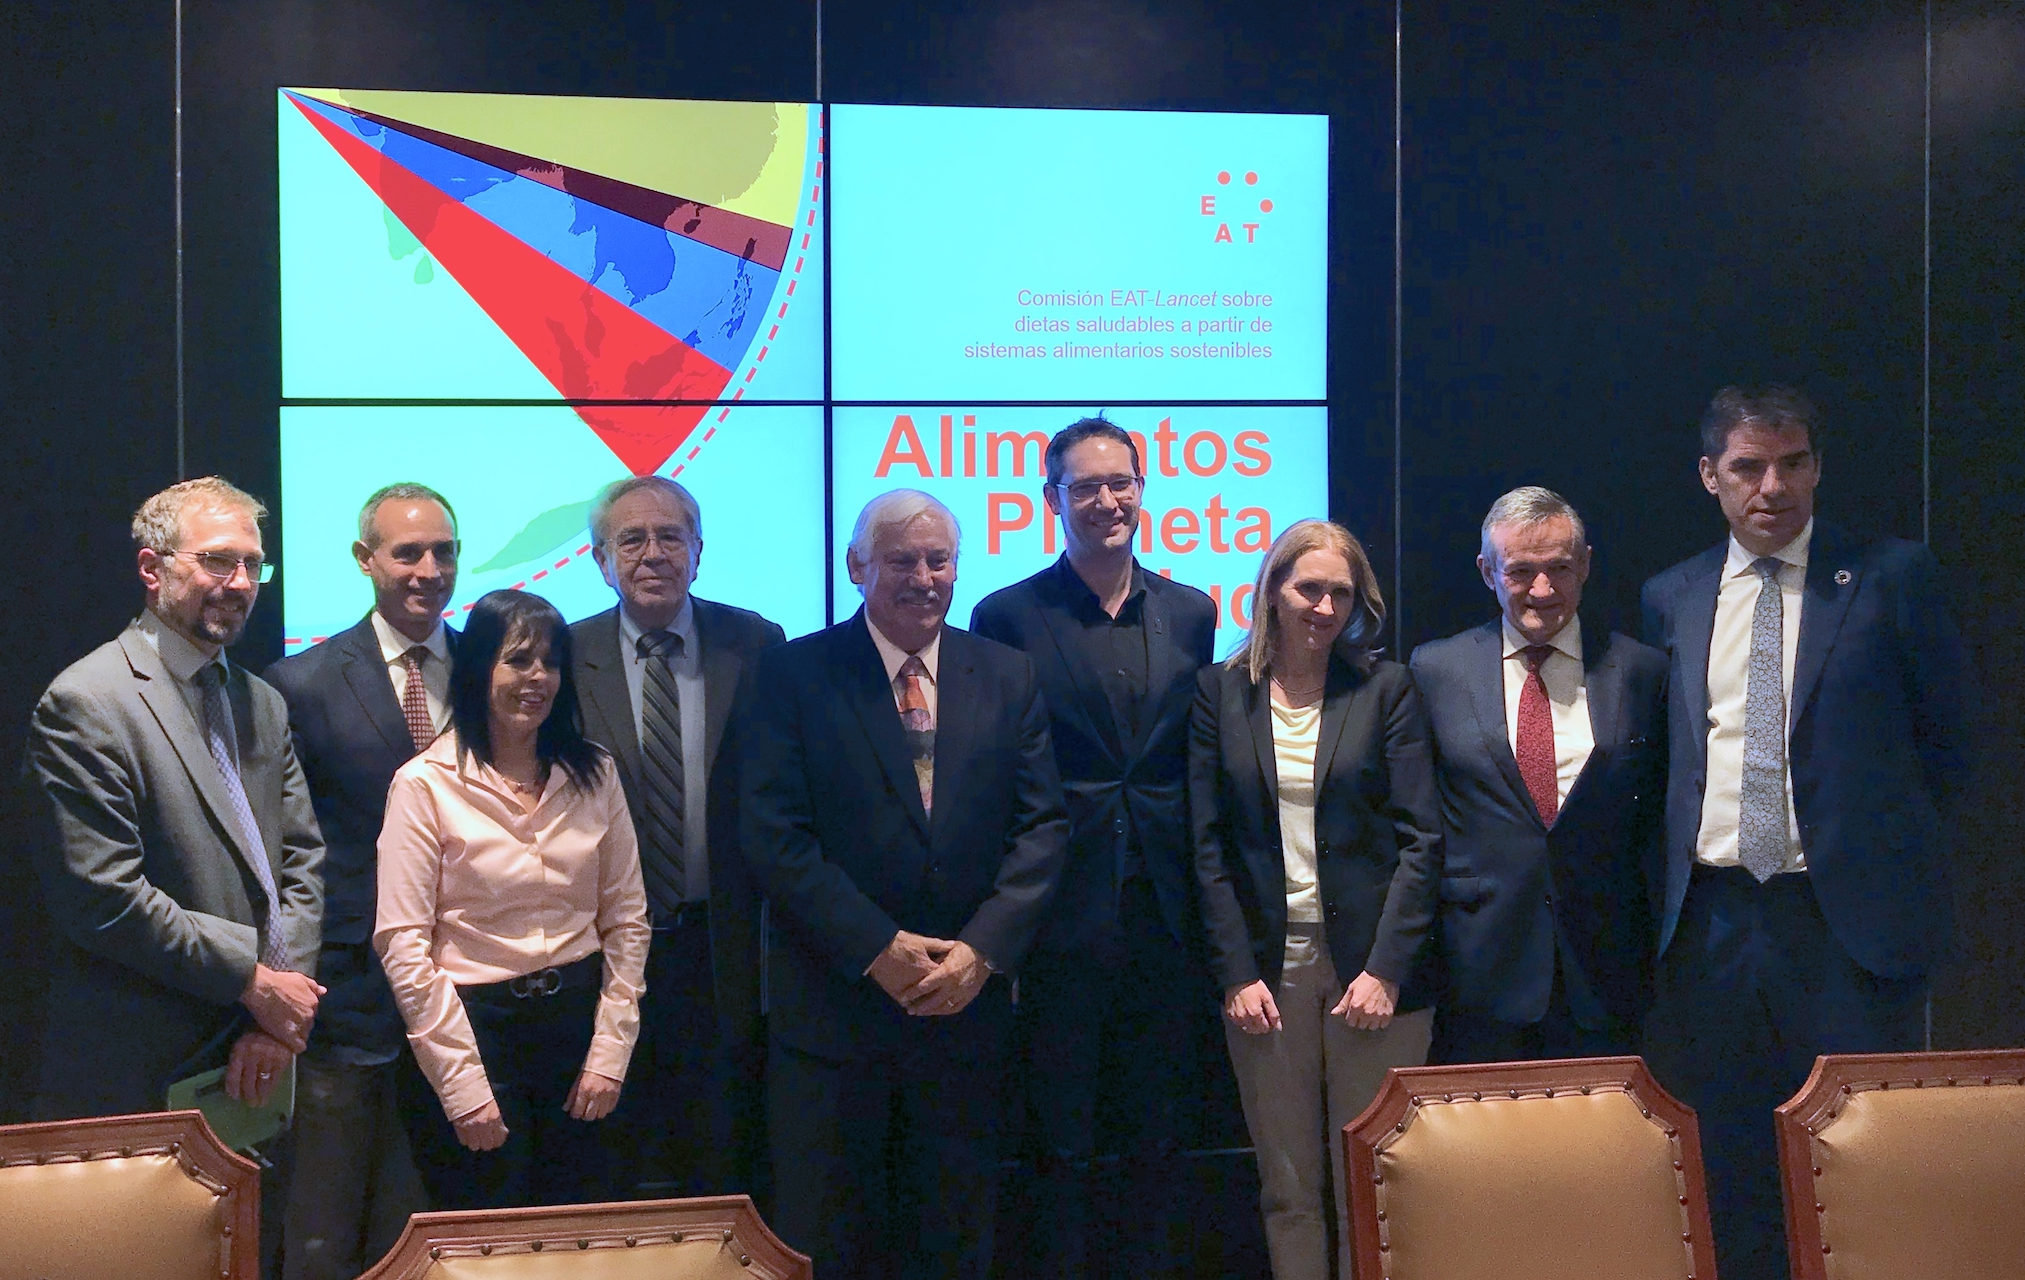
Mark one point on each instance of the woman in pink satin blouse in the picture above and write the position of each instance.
(513, 922)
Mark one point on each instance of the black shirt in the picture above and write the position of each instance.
(1115, 649)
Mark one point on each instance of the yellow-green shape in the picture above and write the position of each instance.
(743, 156)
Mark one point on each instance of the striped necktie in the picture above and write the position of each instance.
(663, 796)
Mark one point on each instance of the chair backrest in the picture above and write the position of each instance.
(1905, 1165)
(144, 1197)
(714, 1238)
(1525, 1170)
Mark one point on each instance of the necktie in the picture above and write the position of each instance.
(911, 693)
(223, 742)
(663, 798)
(415, 699)
(1762, 827)
(1538, 767)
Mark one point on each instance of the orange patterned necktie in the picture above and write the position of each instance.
(919, 723)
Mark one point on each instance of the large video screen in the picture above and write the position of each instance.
(517, 300)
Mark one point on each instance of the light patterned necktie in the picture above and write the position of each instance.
(910, 691)
(223, 742)
(415, 699)
(663, 791)
(1538, 767)
(1762, 825)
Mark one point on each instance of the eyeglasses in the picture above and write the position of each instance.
(1086, 491)
(223, 564)
(633, 543)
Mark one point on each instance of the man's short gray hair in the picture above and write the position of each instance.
(892, 509)
(400, 491)
(158, 525)
(1530, 504)
(608, 497)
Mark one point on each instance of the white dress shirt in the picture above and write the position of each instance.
(1567, 698)
(688, 670)
(893, 656)
(1728, 679)
(435, 668)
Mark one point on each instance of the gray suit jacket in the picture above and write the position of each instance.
(730, 638)
(147, 879)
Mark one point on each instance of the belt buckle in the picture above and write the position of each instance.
(545, 982)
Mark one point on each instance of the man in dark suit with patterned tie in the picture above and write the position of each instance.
(1114, 998)
(1550, 755)
(1817, 742)
(901, 811)
(360, 705)
(656, 676)
(178, 853)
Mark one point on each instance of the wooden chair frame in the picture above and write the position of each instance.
(182, 1134)
(1828, 1089)
(620, 1225)
(1407, 1089)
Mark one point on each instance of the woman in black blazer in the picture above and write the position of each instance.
(1317, 843)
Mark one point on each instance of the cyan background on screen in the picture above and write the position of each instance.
(944, 215)
(522, 479)
(1221, 482)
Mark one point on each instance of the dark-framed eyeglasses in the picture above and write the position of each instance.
(1119, 487)
(634, 544)
(223, 564)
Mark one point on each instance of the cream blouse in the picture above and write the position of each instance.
(1296, 730)
(474, 889)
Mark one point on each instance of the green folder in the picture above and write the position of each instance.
(238, 1126)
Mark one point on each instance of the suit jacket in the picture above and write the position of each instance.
(1378, 848)
(1514, 892)
(729, 638)
(838, 842)
(1117, 790)
(148, 878)
(350, 737)
(1875, 739)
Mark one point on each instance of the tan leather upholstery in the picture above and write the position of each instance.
(1924, 1182)
(125, 1198)
(713, 1238)
(1533, 1187)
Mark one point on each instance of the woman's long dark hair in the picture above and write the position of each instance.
(503, 621)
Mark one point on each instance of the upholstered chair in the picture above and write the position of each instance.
(144, 1197)
(1527, 1171)
(1907, 1166)
(715, 1238)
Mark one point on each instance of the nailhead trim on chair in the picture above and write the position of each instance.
(1543, 1093)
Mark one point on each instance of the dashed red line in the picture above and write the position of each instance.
(539, 574)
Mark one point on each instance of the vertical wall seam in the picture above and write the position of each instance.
(1927, 291)
(1398, 330)
(182, 454)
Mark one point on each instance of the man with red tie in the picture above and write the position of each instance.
(1550, 753)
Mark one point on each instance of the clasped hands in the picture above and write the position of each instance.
(929, 977)
(283, 1005)
(1367, 1005)
(592, 1097)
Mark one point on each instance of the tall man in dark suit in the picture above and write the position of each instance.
(657, 675)
(902, 814)
(1817, 754)
(359, 706)
(1551, 762)
(179, 856)
(1111, 996)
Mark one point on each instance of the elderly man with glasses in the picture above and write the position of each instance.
(178, 852)
(657, 675)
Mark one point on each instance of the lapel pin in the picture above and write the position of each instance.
(1842, 577)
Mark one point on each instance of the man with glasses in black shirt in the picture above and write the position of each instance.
(1108, 995)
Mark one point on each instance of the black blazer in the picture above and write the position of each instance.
(837, 840)
(351, 737)
(729, 639)
(1514, 892)
(1377, 831)
(1116, 790)
(1876, 739)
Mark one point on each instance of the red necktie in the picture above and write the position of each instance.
(415, 700)
(1537, 765)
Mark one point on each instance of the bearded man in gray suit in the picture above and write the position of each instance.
(179, 856)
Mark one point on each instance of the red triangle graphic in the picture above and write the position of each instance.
(588, 344)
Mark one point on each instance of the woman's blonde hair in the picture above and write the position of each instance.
(1358, 641)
